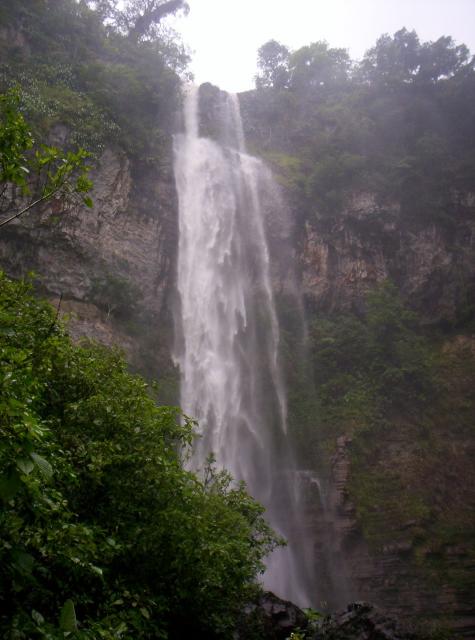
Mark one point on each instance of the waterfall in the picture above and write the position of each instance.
(228, 355)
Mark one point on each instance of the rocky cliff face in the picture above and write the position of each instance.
(419, 566)
(403, 574)
(434, 266)
(111, 265)
(412, 570)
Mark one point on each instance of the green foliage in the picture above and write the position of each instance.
(401, 396)
(51, 105)
(313, 67)
(116, 295)
(273, 63)
(383, 505)
(80, 70)
(38, 173)
(404, 397)
(361, 371)
(138, 19)
(67, 618)
(287, 168)
(15, 140)
(397, 125)
(379, 362)
(101, 528)
(332, 180)
(403, 59)
(317, 67)
(401, 362)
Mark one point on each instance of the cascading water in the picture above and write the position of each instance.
(228, 357)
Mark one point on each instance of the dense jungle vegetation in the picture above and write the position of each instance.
(82, 66)
(400, 392)
(397, 124)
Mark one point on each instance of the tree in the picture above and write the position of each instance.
(117, 296)
(32, 174)
(402, 59)
(105, 8)
(393, 60)
(443, 59)
(138, 19)
(317, 66)
(273, 62)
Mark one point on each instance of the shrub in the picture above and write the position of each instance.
(103, 533)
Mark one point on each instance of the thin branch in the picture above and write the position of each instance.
(53, 324)
(30, 206)
(153, 14)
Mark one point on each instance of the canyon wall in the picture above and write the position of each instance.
(112, 265)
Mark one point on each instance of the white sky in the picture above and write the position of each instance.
(224, 35)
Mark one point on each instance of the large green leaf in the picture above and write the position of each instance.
(67, 617)
(43, 465)
(23, 562)
(25, 465)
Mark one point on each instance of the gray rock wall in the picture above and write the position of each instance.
(433, 266)
(123, 248)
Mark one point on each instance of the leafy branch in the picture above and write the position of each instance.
(39, 174)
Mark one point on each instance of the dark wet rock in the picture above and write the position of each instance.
(362, 621)
(270, 618)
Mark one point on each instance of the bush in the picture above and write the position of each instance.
(103, 533)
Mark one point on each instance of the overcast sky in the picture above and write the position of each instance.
(224, 35)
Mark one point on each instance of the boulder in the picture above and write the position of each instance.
(270, 618)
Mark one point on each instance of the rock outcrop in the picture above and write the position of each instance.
(112, 265)
(270, 618)
(433, 267)
(362, 621)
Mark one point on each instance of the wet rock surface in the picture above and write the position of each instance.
(432, 268)
(112, 265)
(270, 618)
(362, 621)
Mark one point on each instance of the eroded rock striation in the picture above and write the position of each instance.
(112, 265)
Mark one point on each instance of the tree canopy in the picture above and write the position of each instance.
(81, 69)
(402, 58)
(398, 124)
(136, 18)
(273, 63)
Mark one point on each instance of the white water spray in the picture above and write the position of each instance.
(230, 376)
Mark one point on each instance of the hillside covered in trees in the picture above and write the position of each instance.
(397, 124)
